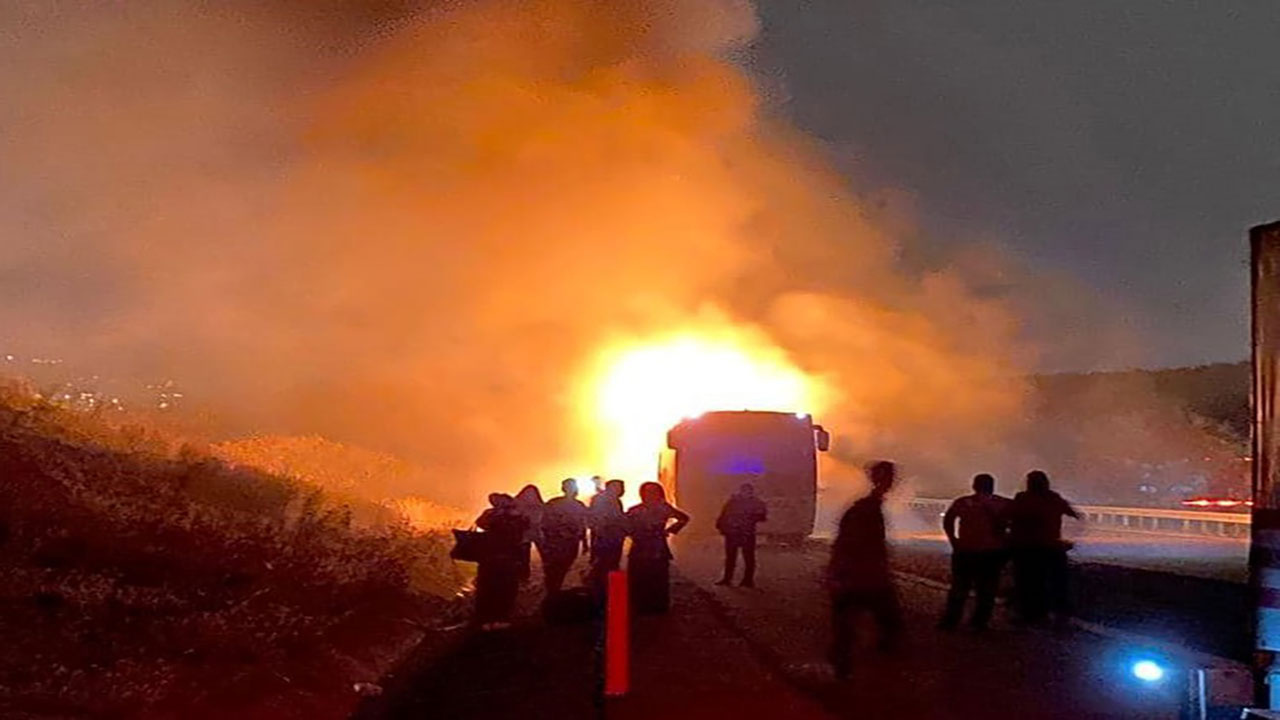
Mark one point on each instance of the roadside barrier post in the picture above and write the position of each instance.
(617, 649)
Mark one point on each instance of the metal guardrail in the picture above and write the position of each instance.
(1148, 520)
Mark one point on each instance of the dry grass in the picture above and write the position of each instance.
(142, 578)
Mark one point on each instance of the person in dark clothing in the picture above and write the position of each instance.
(564, 531)
(1039, 552)
(598, 488)
(649, 562)
(595, 508)
(858, 577)
(529, 504)
(737, 523)
(498, 574)
(608, 533)
(978, 550)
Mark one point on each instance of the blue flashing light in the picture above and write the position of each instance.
(741, 465)
(1147, 671)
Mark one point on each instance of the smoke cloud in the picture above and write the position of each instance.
(415, 226)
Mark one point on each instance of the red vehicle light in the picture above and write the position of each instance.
(1217, 502)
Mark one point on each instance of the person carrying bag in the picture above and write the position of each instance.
(497, 553)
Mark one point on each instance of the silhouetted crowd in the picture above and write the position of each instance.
(986, 532)
(562, 529)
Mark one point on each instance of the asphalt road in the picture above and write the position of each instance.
(1216, 558)
(740, 653)
(1207, 557)
(532, 671)
(1004, 673)
(1190, 591)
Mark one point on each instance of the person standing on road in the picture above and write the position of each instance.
(529, 503)
(597, 494)
(737, 523)
(498, 574)
(1039, 552)
(858, 577)
(608, 532)
(598, 507)
(649, 562)
(564, 531)
(978, 551)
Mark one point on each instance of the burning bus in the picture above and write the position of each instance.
(710, 456)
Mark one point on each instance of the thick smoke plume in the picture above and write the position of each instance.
(415, 226)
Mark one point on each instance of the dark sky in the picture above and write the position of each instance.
(1116, 149)
(1127, 144)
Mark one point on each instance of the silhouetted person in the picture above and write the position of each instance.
(978, 550)
(598, 485)
(564, 531)
(1039, 552)
(858, 576)
(608, 532)
(649, 562)
(498, 574)
(737, 523)
(529, 503)
(596, 506)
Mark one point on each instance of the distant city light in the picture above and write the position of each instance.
(1148, 671)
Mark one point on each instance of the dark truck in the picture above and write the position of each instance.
(709, 457)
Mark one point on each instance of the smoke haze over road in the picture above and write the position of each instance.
(418, 226)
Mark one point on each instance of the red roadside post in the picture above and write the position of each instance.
(617, 641)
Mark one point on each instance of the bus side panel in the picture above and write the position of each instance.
(667, 472)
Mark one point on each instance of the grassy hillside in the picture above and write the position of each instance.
(1219, 392)
(1144, 436)
(142, 578)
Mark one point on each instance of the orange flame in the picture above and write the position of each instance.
(642, 388)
